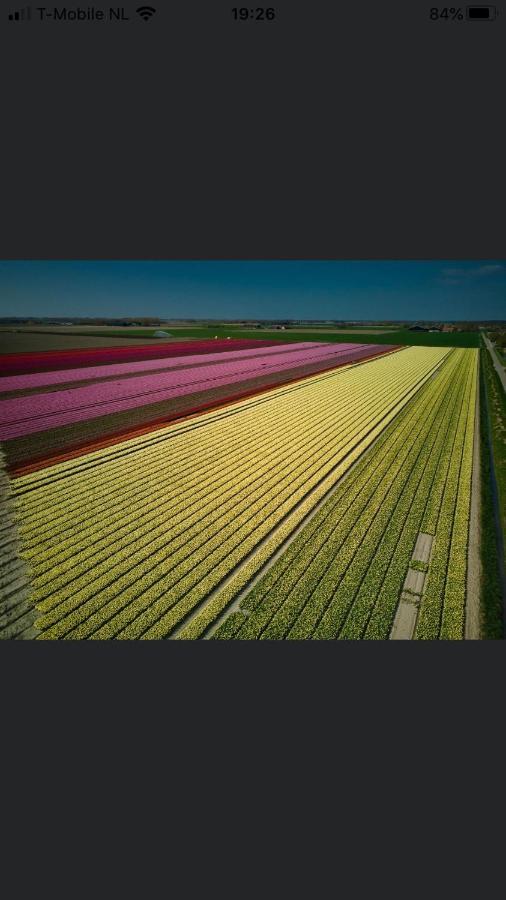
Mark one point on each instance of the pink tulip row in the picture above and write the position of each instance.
(50, 360)
(26, 415)
(45, 379)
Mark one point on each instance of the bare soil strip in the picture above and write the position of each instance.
(423, 547)
(404, 624)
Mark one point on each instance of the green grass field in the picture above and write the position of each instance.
(497, 408)
(404, 337)
(491, 588)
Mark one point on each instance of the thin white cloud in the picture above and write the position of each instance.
(475, 272)
(490, 269)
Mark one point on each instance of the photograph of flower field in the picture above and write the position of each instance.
(336, 477)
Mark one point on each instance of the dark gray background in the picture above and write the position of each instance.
(342, 130)
(324, 135)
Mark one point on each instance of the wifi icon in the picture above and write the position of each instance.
(145, 12)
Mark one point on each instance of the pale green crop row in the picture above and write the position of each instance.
(350, 494)
(227, 594)
(452, 624)
(383, 581)
(400, 537)
(442, 613)
(372, 543)
(343, 575)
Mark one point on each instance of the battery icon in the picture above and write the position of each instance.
(481, 13)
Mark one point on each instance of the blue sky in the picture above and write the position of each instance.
(214, 289)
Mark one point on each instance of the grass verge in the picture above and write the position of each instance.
(493, 405)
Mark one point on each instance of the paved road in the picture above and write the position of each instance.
(496, 361)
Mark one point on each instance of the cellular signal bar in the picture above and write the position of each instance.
(21, 15)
